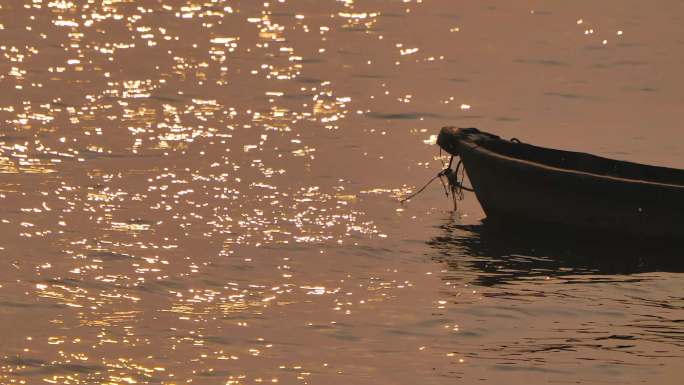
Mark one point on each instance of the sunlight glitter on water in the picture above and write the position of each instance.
(207, 192)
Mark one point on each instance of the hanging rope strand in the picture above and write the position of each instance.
(410, 196)
(452, 183)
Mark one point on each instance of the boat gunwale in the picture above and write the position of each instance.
(485, 151)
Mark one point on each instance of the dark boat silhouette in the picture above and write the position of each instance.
(524, 185)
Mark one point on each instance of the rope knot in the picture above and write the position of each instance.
(453, 183)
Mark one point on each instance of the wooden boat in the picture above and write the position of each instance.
(519, 184)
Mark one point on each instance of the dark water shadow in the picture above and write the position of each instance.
(488, 254)
(38, 366)
(542, 62)
(568, 95)
(404, 116)
(368, 76)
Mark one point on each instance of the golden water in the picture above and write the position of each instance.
(207, 192)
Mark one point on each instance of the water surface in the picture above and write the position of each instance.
(208, 192)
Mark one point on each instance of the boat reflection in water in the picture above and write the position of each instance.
(561, 307)
(492, 254)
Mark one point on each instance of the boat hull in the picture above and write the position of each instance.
(519, 192)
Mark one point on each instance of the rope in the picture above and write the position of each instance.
(455, 181)
(452, 184)
(422, 188)
(466, 188)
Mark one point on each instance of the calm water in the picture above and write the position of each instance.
(207, 192)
